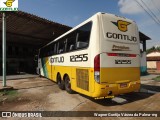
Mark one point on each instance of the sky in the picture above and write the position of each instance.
(73, 12)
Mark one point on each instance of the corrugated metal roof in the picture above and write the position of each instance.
(143, 36)
(29, 28)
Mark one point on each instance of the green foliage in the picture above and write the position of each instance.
(157, 78)
(153, 49)
(8, 95)
(9, 92)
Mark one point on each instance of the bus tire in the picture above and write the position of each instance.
(68, 85)
(60, 82)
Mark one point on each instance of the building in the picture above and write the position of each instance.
(153, 61)
(25, 34)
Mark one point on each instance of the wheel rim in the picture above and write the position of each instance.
(68, 85)
(59, 80)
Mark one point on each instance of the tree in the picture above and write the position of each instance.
(153, 49)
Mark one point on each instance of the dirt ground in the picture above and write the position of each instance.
(41, 94)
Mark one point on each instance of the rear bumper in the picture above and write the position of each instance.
(103, 90)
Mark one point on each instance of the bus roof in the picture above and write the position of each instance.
(89, 19)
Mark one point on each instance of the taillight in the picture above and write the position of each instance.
(121, 54)
(97, 68)
(112, 54)
(132, 55)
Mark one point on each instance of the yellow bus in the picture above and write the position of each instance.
(99, 58)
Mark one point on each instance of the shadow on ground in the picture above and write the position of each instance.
(121, 99)
(151, 87)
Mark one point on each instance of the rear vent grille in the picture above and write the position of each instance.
(82, 79)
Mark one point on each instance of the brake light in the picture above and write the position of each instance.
(97, 63)
(97, 68)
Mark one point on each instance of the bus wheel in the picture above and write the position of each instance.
(60, 82)
(68, 85)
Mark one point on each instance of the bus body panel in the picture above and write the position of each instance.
(119, 75)
(119, 54)
(121, 45)
(86, 86)
(70, 68)
(64, 68)
(112, 76)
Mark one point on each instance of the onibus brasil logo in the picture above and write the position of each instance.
(8, 5)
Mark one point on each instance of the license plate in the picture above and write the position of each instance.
(123, 85)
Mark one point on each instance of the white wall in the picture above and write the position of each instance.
(151, 65)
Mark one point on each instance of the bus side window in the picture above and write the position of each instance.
(84, 36)
(71, 40)
(81, 44)
(71, 47)
(48, 50)
(61, 48)
(51, 49)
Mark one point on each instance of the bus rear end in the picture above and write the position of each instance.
(117, 67)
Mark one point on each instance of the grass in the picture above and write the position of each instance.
(9, 95)
(8, 92)
(157, 78)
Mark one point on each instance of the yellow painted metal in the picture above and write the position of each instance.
(111, 79)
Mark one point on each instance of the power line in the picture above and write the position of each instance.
(150, 11)
(155, 5)
(147, 12)
(152, 14)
